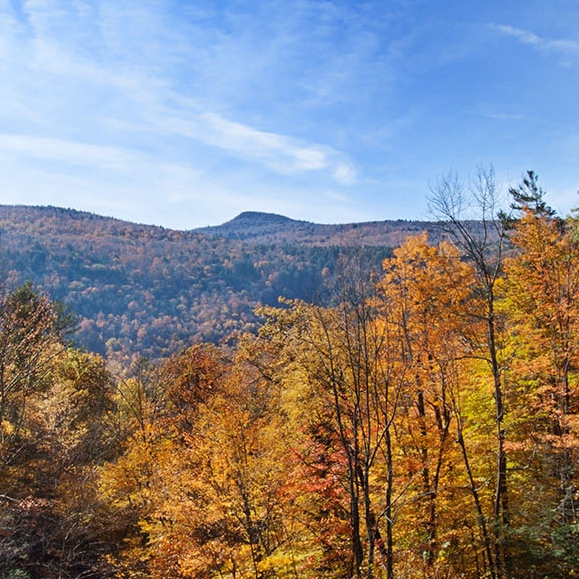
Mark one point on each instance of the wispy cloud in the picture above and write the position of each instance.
(567, 49)
(111, 181)
(504, 116)
(110, 66)
(69, 152)
(213, 107)
(281, 153)
(494, 112)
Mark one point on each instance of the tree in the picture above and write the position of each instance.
(234, 513)
(528, 197)
(201, 488)
(424, 294)
(542, 297)
(342, 355)
(482, 242)
(53, 401)
(31, 337)
(126, 484)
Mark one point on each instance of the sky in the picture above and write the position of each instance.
(186, 113)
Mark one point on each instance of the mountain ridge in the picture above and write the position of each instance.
(263, 228)
(153, 291)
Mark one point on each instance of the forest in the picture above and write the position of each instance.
(146, 291)
(421, 424)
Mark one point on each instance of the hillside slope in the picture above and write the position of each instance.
(140, 289)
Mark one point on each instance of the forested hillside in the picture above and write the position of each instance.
(423, 425)
(153, 291)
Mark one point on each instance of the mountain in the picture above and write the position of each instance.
(264, 228)
(147, 290)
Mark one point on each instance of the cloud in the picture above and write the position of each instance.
(127, 75)
(112, 181)
(283, 154)
(65, 151)
(335, 196)
(345, 174)
(279, 152)
(492, 111)
(504, 116)
(141, 186)
(569, 49)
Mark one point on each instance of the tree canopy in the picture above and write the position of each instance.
(423, 424)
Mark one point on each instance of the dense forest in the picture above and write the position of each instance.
(421, 423)
(149, 291)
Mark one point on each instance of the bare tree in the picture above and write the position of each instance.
(470, 217)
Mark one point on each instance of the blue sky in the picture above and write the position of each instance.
(185, 113)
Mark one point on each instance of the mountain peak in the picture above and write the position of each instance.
(259, 218)
(255, 224)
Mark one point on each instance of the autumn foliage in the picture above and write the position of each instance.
(424, 426)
